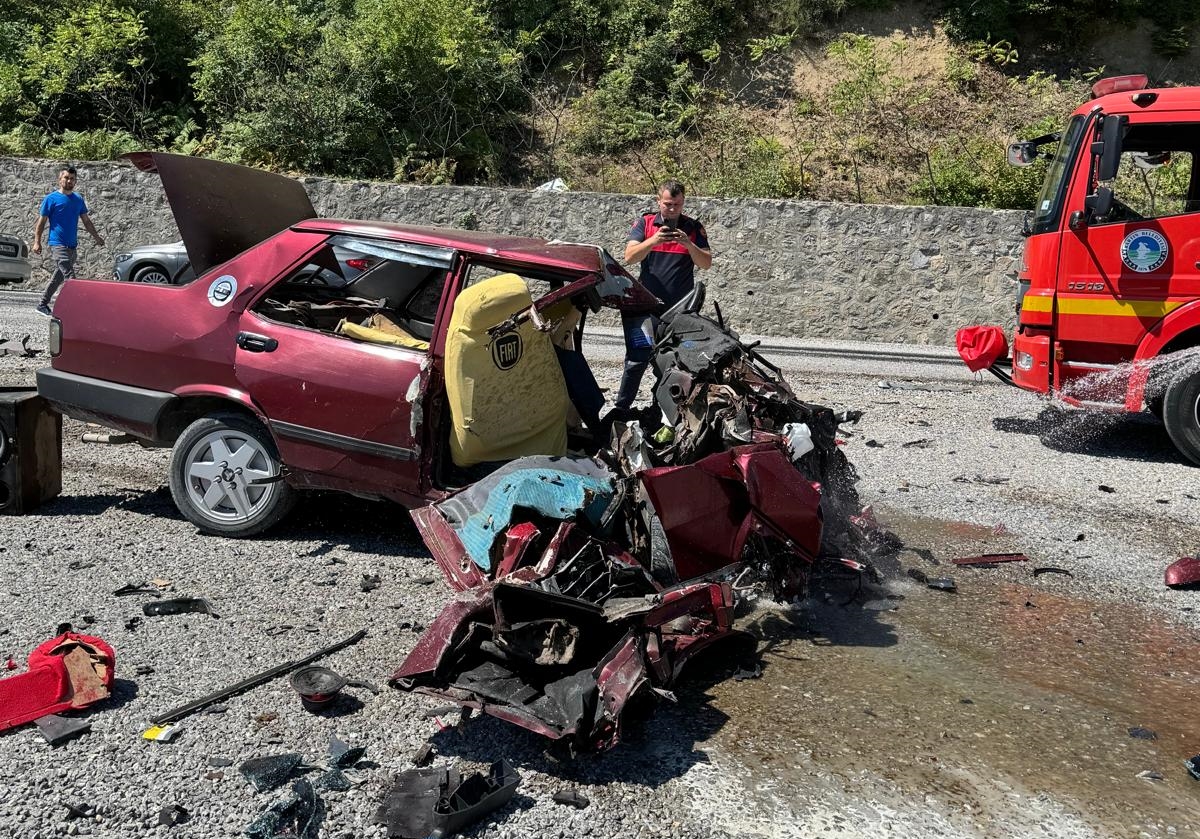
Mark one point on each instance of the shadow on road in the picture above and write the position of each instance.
(1127, 436)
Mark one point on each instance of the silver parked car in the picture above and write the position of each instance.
(14, 260)
(169, 263)
(154, 264)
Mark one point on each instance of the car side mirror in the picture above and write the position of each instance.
(1109, 147)
(1078, 220)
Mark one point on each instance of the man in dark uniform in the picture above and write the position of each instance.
(670, 247)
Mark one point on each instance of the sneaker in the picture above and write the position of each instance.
(43, 310)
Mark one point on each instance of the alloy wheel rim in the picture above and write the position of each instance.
(219, 473)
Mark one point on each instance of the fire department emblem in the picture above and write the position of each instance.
(1144, 251)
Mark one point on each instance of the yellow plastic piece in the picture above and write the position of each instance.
(380, 331)
(507, 397)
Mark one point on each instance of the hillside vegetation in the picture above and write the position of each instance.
(847, 100)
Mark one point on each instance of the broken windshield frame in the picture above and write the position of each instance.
(1048, 209)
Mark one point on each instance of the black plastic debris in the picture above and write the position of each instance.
(1105, 488)
(172, 815)
(58, 730)
(1193, 766)
(219, 762)
(423, 755)
(1051, 569)
(63, 627)
(298, 815)
(922, 443)
(942, 584)
(178, 606)
(918, 575)
(133, 623)
(370, 582)
(332, 780)
(136, 588)
(435, 802)
(267, 773)
(359, 683)
(1140, 733)
(571, 798)
(80, 811)
(342, 755)
(143, 670)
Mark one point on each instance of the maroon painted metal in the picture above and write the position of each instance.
(1184, 571)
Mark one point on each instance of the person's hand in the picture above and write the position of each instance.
(666, 234)
(37, 247)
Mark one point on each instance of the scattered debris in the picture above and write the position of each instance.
(922, 443)
(1051, 569)
(423, 755)
(755, 671)
(918, 575)
(1104, 488)
(990, 559)
(136, 588)
(133, 623)
(423, 581)
(1184, 571)
(68, 671)
(332, 780)
(438, 802)
(178, 606)
(1193, 766)
(143, 670)
(80, 811)
(942, 584)
(79, 565)
(571, 798)
(58, 730)
(172, 815)
(1140, 733)
(267, 773)
(370, 582)
(18, 347)
(255, 681)
(318, 687)
(163, 733)
(1150, 775)
(219, 762)
(883, 605)
(298, 814)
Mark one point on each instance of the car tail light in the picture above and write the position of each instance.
(1023, 360)
(55, 341)
(359, 263)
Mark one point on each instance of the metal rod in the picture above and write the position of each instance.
(254, 681)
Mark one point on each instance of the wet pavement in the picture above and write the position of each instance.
(1005, 707)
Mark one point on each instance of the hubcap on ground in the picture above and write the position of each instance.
(220, 470)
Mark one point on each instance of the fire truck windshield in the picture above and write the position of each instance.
(1049, 205)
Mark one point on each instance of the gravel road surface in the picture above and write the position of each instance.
(1000, 710)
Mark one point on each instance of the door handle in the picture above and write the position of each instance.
(252, 342)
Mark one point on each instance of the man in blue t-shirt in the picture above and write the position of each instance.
(62, 210)
(670, 247)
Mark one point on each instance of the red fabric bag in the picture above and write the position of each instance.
(981, 346)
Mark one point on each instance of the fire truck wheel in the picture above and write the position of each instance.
(1181, 414)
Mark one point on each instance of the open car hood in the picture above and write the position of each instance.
(222, 209)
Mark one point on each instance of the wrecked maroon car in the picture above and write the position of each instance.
(280, 369)
(586, 584)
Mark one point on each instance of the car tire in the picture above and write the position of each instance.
(208, 463)
(153, 274)
(1181, 413)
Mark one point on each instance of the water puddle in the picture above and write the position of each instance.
(990, 705)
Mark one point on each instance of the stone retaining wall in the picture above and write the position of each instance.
(798, 269)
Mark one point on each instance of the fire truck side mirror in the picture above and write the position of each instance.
(1022, 154)
(1098, 205)
(1109, 147)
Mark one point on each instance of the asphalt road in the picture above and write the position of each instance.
(1003, 709)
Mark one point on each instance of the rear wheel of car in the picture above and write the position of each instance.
(152, 274)
(1181, 414)
(225, 476)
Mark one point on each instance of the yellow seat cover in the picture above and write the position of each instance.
(507, 397)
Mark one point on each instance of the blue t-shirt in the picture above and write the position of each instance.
(64, 212)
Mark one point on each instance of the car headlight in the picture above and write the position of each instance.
(124, 257)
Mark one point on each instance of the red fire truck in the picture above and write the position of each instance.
(1109, 297)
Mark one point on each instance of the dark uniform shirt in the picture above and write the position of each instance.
(668, 270)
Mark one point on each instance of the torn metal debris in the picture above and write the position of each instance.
(439, 802)
(1184, 571)
(587, 583)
